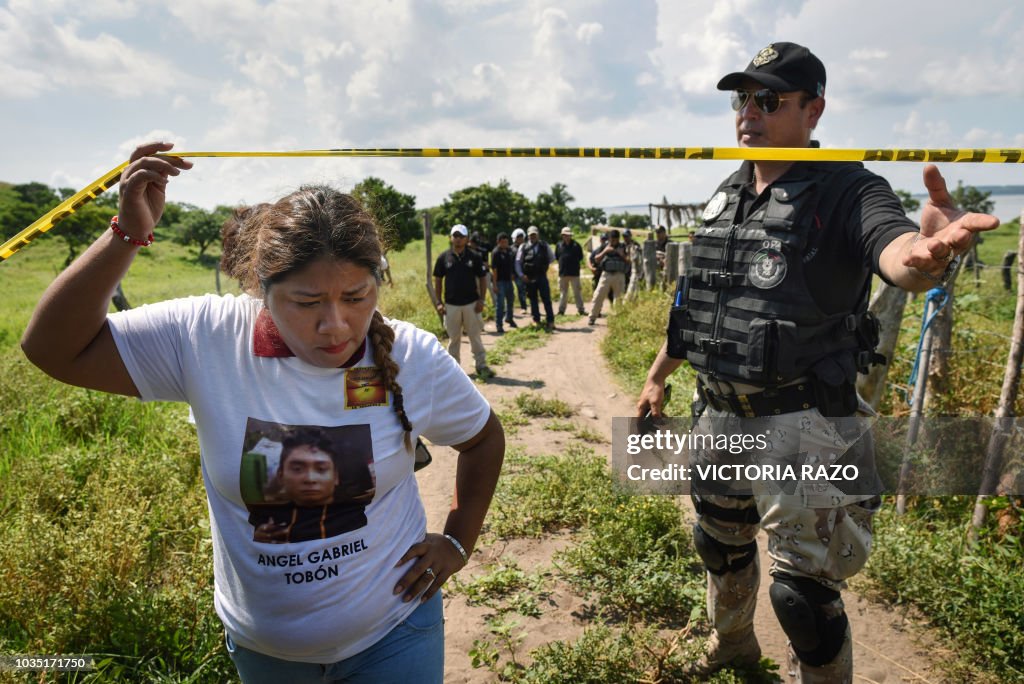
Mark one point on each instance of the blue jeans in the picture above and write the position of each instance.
(504, 303)
(411, 652)
(540, 286)
(521, 291)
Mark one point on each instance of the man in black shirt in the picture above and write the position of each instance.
(532, 263)
(773, 317)
(463, 274)
(503, 270)
(569, 254)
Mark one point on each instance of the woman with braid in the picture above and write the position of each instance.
(303, 351)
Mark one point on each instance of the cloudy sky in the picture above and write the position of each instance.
(81, 83)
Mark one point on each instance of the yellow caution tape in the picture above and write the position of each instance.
(975, 155)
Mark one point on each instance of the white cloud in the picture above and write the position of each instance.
(589, 32)
(126, 147)
(317, 73)
(267, 70)
(246, 118)
(42, 56)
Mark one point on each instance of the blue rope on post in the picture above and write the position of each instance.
(936, 294)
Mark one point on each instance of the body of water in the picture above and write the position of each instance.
(1008, 207)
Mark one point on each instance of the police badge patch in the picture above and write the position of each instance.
(767, 268)
(715, 206)
(766, 55)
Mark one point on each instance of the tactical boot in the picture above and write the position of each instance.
(737, 649)
(839, 671)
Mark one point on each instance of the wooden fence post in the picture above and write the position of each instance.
(1007, 269)
(916, 411)
(650, 263)
(888, 305)
(1007, 397)
(671, 264)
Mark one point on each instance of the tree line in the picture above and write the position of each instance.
(487, 208)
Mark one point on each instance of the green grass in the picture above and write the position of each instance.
(974, 595)
(515, 341)
(536, 406)
(632, 559)
(106, 540)
(505, 587)
(537, 495)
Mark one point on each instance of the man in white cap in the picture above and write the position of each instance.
(532, 263)
(518, 240)
(463, 274)
(569, 254)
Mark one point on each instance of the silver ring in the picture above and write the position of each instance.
(430, 571)
(949, 257)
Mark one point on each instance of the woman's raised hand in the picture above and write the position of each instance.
(143, 183)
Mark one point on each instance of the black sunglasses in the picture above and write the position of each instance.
(766, 99)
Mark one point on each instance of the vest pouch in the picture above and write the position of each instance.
(614, 265)
(762, 343)
(787, 204)
(678, 325)
(835, 386)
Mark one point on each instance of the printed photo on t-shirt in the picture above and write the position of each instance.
(364, 387)
(303, 482)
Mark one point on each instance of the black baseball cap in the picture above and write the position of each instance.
(783, 67)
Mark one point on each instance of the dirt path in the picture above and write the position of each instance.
(887, 647)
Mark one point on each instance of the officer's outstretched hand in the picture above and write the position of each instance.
(946, 231)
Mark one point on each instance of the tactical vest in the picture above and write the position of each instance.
(744, 311)
(535, 259)
(614, 262)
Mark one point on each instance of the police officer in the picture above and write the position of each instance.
(772, 316)
(613, 261)
(532, 261)
(462, 275)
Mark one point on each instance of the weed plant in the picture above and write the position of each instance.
(605, 654)
(504, 587)
(581, 432)
(516, 341)
(975, 595)
(537, 495)
(636, 559)
(536, 406)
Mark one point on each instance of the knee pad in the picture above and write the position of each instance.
(721, 558)
(811, 616)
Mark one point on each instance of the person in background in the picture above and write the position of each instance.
(460, 273)
(569, 255)
(503, 271)
(370, 608)
(613, 261)
(635, 263)
(532, 263)
(518, 240)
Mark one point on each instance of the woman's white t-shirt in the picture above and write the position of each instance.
(328, 596)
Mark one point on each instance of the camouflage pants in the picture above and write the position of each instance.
(815, 530)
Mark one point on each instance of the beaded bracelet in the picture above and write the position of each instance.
(128, 238)
(458, 547)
